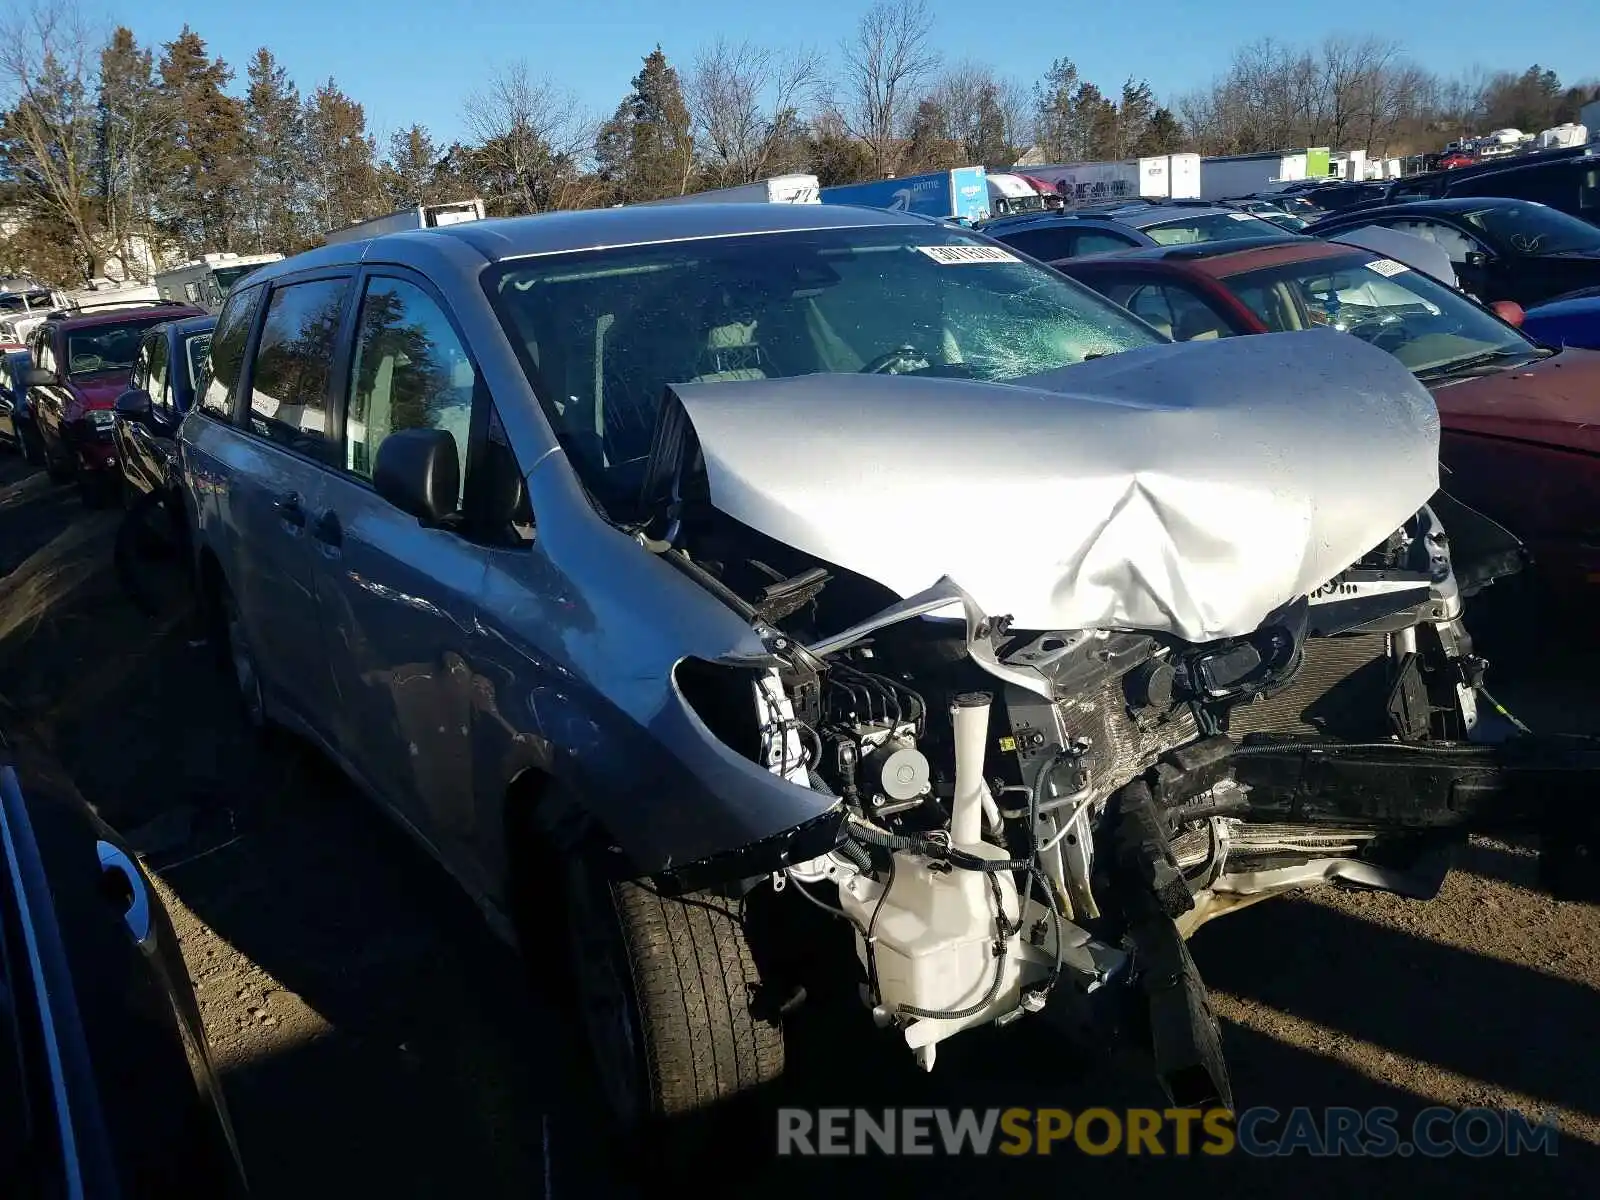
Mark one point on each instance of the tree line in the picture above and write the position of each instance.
(110, 147)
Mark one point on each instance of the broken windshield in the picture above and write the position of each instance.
(602, 333)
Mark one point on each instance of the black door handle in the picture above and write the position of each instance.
(328, 530)
(290, 510)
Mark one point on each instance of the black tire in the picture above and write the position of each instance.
(666, 989)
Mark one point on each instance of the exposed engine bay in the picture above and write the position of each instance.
(998, 782)
(1032, 815)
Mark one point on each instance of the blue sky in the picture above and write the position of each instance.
(415, 60)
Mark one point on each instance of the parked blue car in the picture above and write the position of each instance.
(16, 422)
(1570, 320)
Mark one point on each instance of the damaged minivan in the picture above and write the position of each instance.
(644, 561)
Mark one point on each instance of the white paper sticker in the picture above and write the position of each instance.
(950, 256)
(1387, 267)
(1244, 216)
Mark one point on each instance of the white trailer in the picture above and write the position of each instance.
(1159, 177)
(1561, 136)
(780, 189)
(424, 216)
(205, 281)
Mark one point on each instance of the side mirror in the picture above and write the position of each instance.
(134, 404)
(1508, 311)
(39, 377)
(419, 472)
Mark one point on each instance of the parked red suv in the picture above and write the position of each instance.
(1521, 421)
(81, 361)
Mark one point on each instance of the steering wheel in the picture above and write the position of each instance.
(84, 363)
(906, 355)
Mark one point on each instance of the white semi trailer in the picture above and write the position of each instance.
(1158, 177)
(780, 189)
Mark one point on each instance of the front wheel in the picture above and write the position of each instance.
(669, 993)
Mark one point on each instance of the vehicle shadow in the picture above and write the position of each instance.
(1499, 1023)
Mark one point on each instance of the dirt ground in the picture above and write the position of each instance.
(375, 1038)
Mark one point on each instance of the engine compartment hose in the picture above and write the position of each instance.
(929, 848)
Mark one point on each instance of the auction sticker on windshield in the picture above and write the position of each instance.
(1387, 267)
(1244, 216)
(951, 256)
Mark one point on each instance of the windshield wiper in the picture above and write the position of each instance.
(1482, 364)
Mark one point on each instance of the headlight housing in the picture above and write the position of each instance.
(101, 419)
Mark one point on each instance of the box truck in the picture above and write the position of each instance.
(423, 216)
(961, 194)
(1157, 177)
(780, 189)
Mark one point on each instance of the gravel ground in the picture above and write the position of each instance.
(373, 1036)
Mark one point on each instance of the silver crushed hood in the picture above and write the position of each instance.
(1188, 489)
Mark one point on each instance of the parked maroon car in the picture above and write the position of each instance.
(1521, 421)
(81, 360)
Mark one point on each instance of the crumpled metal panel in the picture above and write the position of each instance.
(1188, 489)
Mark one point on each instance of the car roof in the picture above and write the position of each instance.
(114, 316)
(500, 239)
(1220, 259)
(1447, 205)
(1134, 214)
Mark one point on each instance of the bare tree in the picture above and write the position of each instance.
(747, 102)
(531, 137)
(49, 89)
(985, 115)
(885, 67)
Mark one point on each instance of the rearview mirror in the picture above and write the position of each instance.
(134, 404)
(1508, 311)
(39, 377)
(419, 472)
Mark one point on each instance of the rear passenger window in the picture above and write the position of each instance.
(289, 382)
(1043, 244)
(215, 385)
(410, 371)
(1090, 242)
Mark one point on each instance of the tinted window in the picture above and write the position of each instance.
(410, 371)
(196, 349)
(216, 386)
(1212, 227)
(289, 381)
(1046, 245)
(139, 377)
(159, 387)
(1535, 229)
(1094, 241)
